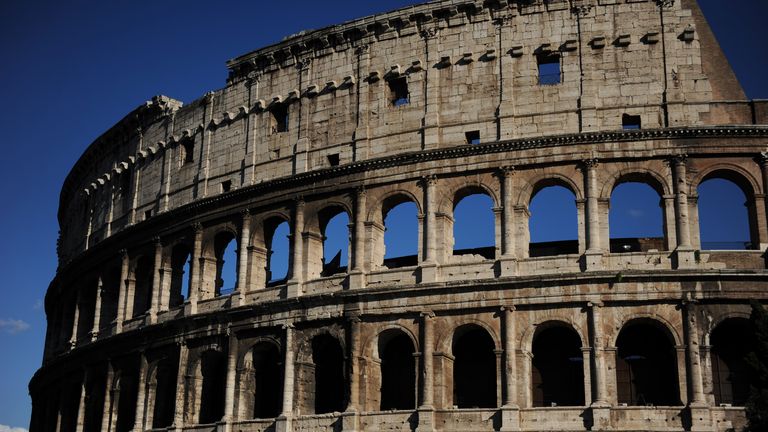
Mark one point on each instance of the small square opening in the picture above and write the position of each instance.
(280, 118)
(226, 185)
(549, 69)
(398, 91)
(333, 159)
(147, 214)
(473, 137)
(629, 122)
(187, 152)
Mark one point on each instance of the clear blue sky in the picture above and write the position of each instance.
(72, 69)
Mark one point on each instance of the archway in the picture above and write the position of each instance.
(213, 372)
(636, 220)
(726, 212)
(398, 371)
(558, 367)
(267, 380)
(474, 224)
(225, 247)
(553, 224)
(401, 232)
(731, 341)
(474, 368)
(329, 378)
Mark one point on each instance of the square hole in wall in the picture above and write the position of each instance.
(147, 214)
(629, 122)
(226, 185)
(280, 118)
(398, 91)
(333, 159)
(549, 69)
(473, 137)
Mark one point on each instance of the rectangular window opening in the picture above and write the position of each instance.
(629, 122)
(147, 214)
(473, 137)
(398, 90)
(226, 185)
(333, 159)
(549, 69)
(187, 152)
(280, 118)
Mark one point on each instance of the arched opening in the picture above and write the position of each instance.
(474, 368)
(95, 389)
(334, 227)
(267, 380)
(329, 379)
(726, 212)
(636, 220)
(646, 365)
(127, 387)
(181, 262)
(398, 371)
(558, 367)
(731, 341)
(213, 371)
(70, 404)
(553, 224)
(86, 310)
(401, 232)
(225, 246)
(474, 224)
(110, 295)
(142, 294)
(164, 379)
(278, 255)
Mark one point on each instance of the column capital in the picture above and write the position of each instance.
(678, 159)
(588, 164)
(197, 227)
(595, 304)
(428, 180)
(510, 308)
(298, 200)
(762, 158)
(427, 314)
(245, 214)
(505, 171)
(158, 241)
(360, 190)
(123, 253)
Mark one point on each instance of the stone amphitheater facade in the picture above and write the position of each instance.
(362, 116)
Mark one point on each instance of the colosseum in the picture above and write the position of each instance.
(423, 106)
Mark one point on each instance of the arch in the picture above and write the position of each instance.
(127, 385)
(142, 273)
(162, 375)
(731, 341)
(646, 364)
(635, 175)
(109, 296)
(399, 214)
(277, 229)
(225, 253)
(181, 274)
(716, 213)
(474, 221)
(86, 310)
(329, 379)
(636, 215)
(552, 205)
(537, 183)
(336, 243)
(398, 370)
(266, 379)
(474, 367)
(727, 171)
(212, 370)
(557, 366)
(655, 319)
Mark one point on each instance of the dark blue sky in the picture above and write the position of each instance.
(72, 69)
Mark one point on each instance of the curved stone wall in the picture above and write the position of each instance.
(144, 333)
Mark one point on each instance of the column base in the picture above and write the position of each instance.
(601, 416)
(593, 260)
(428, 272)
(293, 288)
(356, 280)
(350, 421)
(701, 417)
(426, 415)
(283, 424)
(685, 257)
(190, 308)
(507, 266)
(510, 418)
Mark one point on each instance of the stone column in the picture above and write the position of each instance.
(694, 354)
(510, 369)
(284, 421)
(80, 423)
(178, 413)
(195, 264)
(229, 397)
(357, 274)
(670, 223)
(593, 253)
(429, 265)
(297, 257)
(76, 318)
(97, 309)
(157, 275)
(242, 265)
(601, 394)
(684, 252)
(426, 408)
(106, 417)
(141, 397)
(508, 257)
(121, 295)
(762, 212)
(354, 363)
